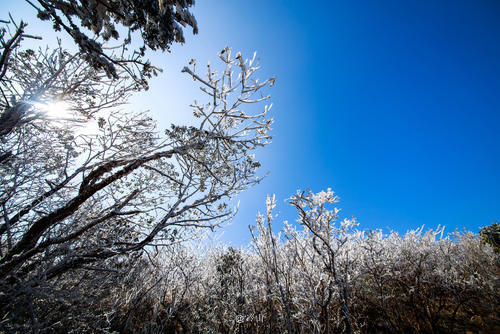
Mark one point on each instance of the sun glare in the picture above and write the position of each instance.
(59, 110)
(60, 114)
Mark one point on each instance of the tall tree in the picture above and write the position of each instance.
(84, 184)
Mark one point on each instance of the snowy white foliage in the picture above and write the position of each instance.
(423, 281)
(78, 191)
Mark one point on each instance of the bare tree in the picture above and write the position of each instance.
(106, 183)
(266, 245)
(329, 241)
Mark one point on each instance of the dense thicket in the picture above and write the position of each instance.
(370, 282)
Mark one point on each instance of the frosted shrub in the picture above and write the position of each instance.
(323, 275)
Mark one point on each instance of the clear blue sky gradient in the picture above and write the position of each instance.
(395, 105)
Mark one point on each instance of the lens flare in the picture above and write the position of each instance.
(59, 110)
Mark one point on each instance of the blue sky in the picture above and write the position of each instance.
(395, 105)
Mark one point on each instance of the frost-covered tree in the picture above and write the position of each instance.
(84, 184)
(159, 23)
(276, 269)
(491, 235)
(330, 241)
(92, 25)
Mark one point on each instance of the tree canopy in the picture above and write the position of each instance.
(159, 23)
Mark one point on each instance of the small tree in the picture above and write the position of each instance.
(491, 235)
(331, 243)
(266, 245)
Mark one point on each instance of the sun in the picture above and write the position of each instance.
(58, 110)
